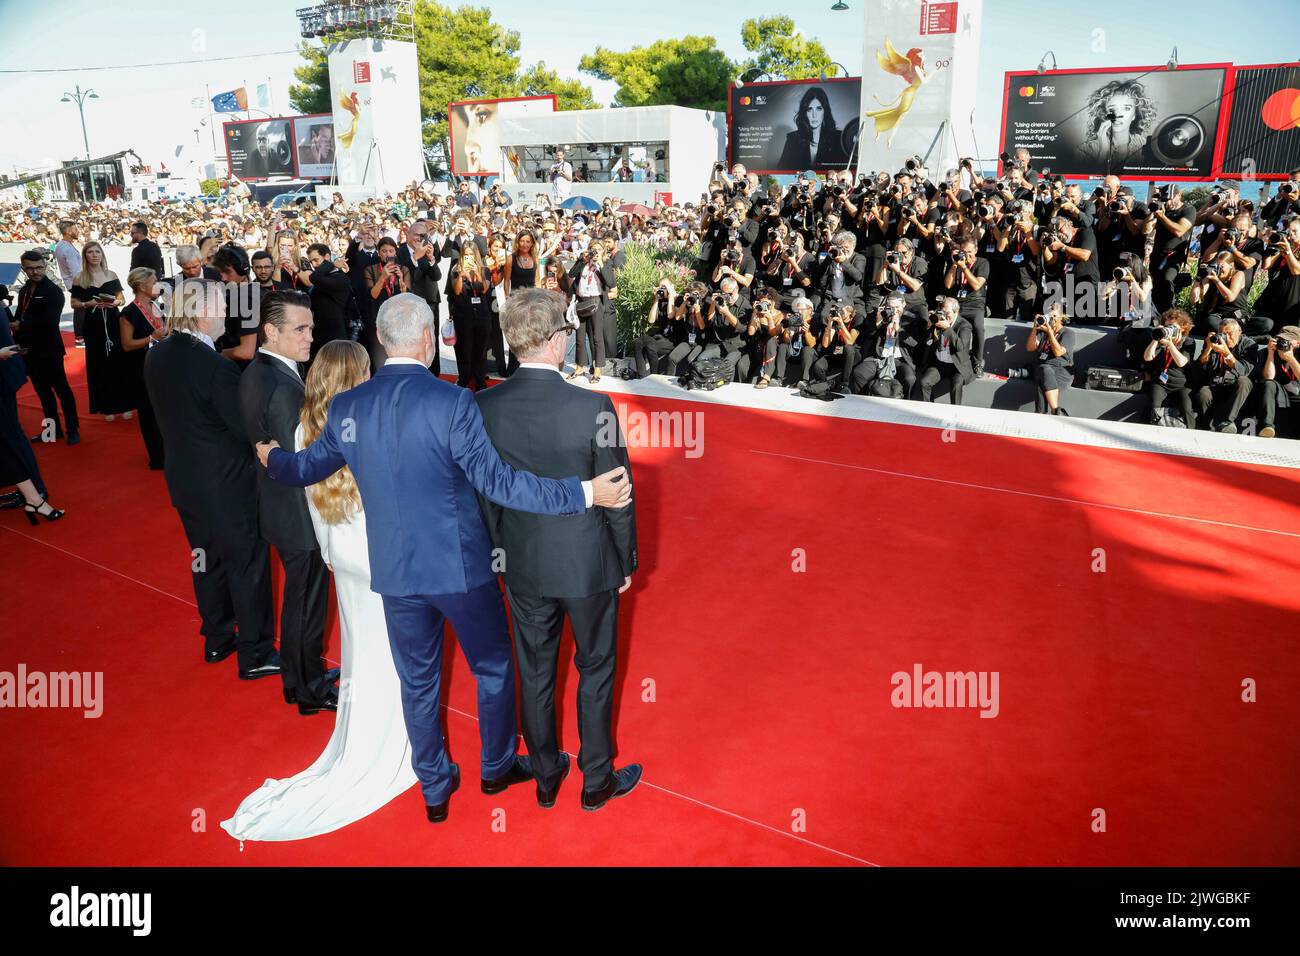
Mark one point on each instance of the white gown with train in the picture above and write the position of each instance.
(367, 761)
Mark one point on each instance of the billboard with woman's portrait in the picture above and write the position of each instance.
(1135, 123)
(314, 139)
(789, 127)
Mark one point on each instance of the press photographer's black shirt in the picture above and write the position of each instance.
(962, 290)
(1169, 249)
(1044, 355)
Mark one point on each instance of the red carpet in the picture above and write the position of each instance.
(1119, 691)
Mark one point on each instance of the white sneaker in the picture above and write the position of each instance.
(109, 418)
(127, 416)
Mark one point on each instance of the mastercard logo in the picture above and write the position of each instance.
(1282, 110)
(745, 101)
(1026, 91)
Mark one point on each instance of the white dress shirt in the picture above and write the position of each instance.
(588, 495)
(201, 336)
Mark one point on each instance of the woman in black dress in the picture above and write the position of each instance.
(141, 325)
(472, 289)
(521, 273)
(97, 290)
(815, 142)
(17, 463)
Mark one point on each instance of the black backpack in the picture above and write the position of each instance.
(708, 373)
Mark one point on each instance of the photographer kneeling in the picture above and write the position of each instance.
(948, 355)
(1053, 362)
(726, 320)
(1165, 362)
(1219, 293)
(1279, 380)
(887, 370)
(1223, 379)
(967, 279)
(667, 330)
(834, 344)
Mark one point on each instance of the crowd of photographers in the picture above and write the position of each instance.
(882, 285)
(879, 285)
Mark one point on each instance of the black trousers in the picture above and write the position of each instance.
(867, 374)
(591, 330)
(497, 343)
(1221, 403)
(232, 584)
(537, 623)
(471, 350)
(50, 380)
(609, 318)
(972, 310)
(933, 374)
(153, 440)
(302, 624)
(648, 351)
(684, 352)
(1272, 395)
(1160, 396)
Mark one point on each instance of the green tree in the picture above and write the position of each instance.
(311, 92)
(35, 192)
(691, 71)
(538, 80)
(781, 50)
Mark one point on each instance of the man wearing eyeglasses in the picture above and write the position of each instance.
(575, 565)
(36, 328)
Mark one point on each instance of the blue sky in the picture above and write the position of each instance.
(149, 109)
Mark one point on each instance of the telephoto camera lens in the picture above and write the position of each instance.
(1021, 372)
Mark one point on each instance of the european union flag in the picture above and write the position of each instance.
(232, 101)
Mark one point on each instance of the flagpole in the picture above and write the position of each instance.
(247, 114)
(270, 93)
(212, 122)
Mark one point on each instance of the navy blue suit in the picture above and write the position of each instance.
(418, 451)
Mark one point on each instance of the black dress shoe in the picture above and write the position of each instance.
(268, 667)
(74, 438)
(520, 770)
(620, 784)
(290, 696)
(546, 798)
(329, 702)
(219, 655)
(438, 812)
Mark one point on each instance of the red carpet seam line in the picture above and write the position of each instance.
(1032, 494)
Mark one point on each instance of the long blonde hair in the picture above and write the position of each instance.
(84, 279)
(273, 247)
(338, 366)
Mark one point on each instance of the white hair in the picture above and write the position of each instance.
(401, 321)
(186, 254)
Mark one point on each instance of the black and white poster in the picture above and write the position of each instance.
(1151, 123)
(793, 126)
(259, 148)
(314, 136)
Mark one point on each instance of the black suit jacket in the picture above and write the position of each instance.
(330, 292)
(270, 400)
(960, 336)
(146, 254)
(425, 276)
(540, 423)
(195, 395)
(38, 319)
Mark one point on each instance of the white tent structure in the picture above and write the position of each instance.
(671, 148)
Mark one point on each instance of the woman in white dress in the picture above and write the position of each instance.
(367, 761)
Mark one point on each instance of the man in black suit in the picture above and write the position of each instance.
(146, 252)
(36, 328)
(420, 256)
(575, 565)
(211, 476)
(331, 292)
(271, 394)
(948, 352)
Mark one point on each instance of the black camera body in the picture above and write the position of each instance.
(1162, 333)
(892, 258)
(1284, 345)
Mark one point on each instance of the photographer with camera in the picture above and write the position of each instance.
(1280, 299)
(1218, 293)
(966, 278)
(1120, 224)
(590, 283)
(786, 261)
(691, 314)
(1277, 380)
(561, 177)
(726, 322)
(1165, 362)
(887, 368)
(1051, 343)
(1070, 263)
(667, 330)
(1285, 205)
(948, 352)
(832, 350)
(736, 263)
(762, 336)
(903, 272)
(1127, 300)
(1173, 221)
(1016, 241)
(838, 278)
(1218, 212)
(1222, 383)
